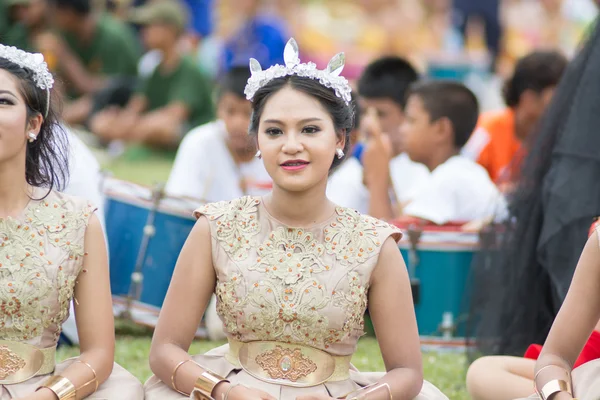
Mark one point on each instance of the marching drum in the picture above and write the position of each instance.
(146, 230)
(439, 263)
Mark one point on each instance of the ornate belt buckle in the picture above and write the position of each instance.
(286, 364)
(18, 362)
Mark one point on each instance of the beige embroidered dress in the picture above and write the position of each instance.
(41, 254)
(291, 300)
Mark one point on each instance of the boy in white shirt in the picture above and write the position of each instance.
(440, 117)
(382, 89)
(215, 161)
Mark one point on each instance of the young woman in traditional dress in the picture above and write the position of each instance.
(292, 271)
(52, 250)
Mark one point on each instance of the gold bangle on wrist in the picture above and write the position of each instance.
(226, 394)
(173, 385)
(206, 383)
(62, 387)
(362, 394)
(553, 386)
(92, 380)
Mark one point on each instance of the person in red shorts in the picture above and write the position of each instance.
(508, 377)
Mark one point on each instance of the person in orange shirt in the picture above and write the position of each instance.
(497, 141)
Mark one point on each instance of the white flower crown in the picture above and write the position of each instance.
(329, 77)
(35, 63)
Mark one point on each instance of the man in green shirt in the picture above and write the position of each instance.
(93, 51)
(176, 95)
(32, 20)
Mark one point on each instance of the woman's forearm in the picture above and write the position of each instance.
(174, 366)
(89, 371)
(399, 383)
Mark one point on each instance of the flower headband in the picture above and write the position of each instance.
(35, 63)
(329, 77)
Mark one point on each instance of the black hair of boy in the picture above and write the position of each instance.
(536, 71)
(80, 7)
(387, 77)
(452, 100)
(234, 81)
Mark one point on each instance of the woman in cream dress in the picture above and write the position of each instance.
(52, 250)
(292, 271)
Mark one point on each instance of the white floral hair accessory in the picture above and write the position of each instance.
(35, 63)
(329, 77)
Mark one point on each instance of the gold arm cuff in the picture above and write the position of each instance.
(553, 387)
(61, 386)
(206, 383)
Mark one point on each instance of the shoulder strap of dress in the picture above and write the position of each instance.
(233, 224)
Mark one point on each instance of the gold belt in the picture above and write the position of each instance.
(288, 364)
(21, 361)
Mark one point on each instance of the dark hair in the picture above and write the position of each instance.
(341, 113)
(536, 71)
(520, 283)
(81, 7)
(388, 77)
(46, 162)
(452, 100)
(357, 110)
(234, 81)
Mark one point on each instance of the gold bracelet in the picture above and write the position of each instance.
(93, 372)
(206, 383)
(226, 394)
(62, 387)
(173, 376)
(362, 393)
(549, 366)
(553, 387)
(542, 392)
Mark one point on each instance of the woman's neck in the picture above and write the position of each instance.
(15, 192)
(300, 209)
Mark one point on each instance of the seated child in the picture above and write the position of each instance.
(440, 117)
(216, 161)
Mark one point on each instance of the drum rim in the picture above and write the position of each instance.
(146, 202)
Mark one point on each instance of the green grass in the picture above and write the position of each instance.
(445, 370)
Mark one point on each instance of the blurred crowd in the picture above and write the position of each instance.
(170, 75)
(106, 51)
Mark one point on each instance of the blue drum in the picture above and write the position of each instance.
(439, 263)
(146, 231)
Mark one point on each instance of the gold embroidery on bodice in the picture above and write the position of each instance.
(35, 287)
(303, 285)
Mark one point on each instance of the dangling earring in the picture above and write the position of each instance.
(258, 155)
(31, 137)
(339, 153)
